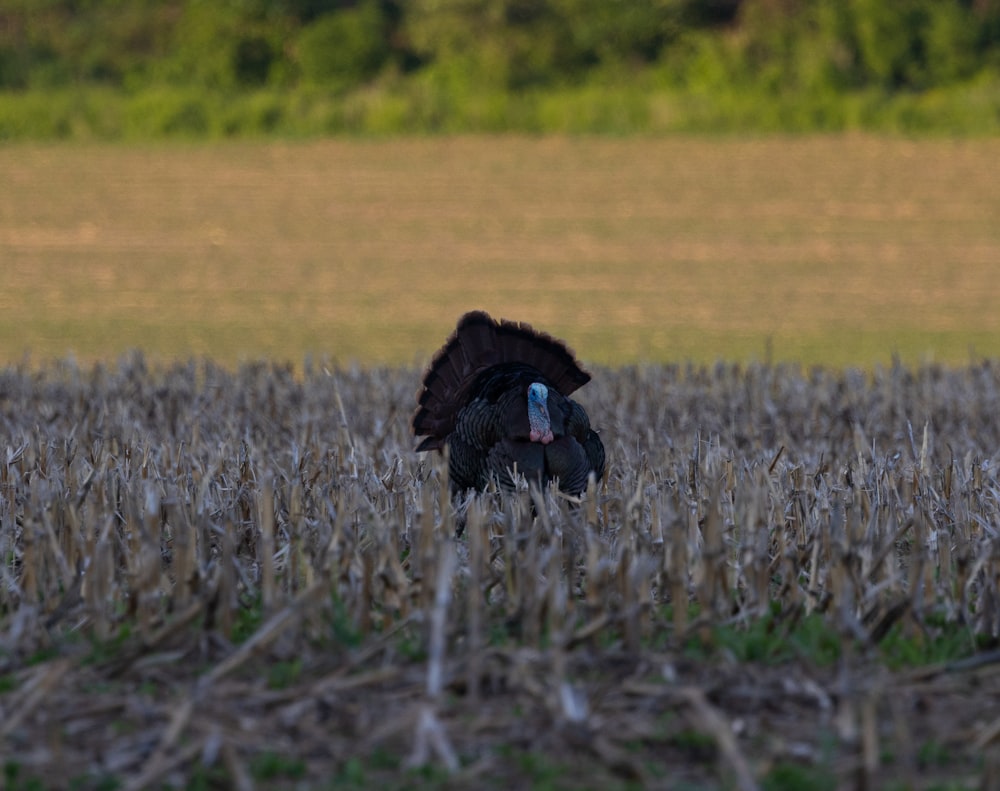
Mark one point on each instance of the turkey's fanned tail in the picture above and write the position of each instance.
(477, 344)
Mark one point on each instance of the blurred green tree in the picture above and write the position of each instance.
(345, 46)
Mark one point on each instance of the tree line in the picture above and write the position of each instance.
(482, 63)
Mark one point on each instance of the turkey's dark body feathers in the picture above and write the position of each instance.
(474, 398)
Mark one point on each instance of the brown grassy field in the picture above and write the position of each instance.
(246, 579)
(840, 250)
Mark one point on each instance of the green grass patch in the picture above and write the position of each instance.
(799, 777)
(906, 646)
(273, 766)
(426, 104)
(283, 674)
(774, 638)
(248, 619)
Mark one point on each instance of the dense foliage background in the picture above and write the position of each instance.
(120, 68)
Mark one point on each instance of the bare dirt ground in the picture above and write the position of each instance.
(834, 250)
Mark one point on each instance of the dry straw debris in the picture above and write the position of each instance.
(248, 579)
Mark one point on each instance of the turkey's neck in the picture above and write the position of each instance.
(538, 414)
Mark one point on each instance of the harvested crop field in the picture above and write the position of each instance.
(833, 250)
(245, 578)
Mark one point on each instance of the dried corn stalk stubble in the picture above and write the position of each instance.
(202, 567)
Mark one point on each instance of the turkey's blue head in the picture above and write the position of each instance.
(538, 414)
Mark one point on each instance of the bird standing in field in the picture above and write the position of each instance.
(497, 395)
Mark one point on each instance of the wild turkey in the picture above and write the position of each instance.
(496, 394)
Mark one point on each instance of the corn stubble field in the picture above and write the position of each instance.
(245, 578)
